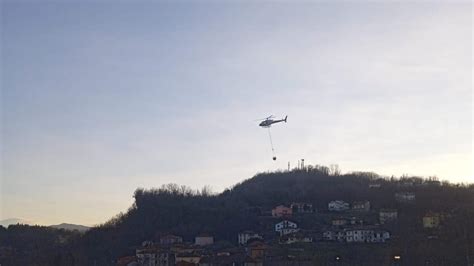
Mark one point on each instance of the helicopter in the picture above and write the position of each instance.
(268, 121)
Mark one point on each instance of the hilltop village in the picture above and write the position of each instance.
(298, 233)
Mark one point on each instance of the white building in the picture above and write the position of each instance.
(151, 256)
(361, 205)
(380, 236)
(286, 227)
(338, 205)
(366, 235)
(357, 235)
(295, 238)
(170, 239)
(387, 215)
(405, 196)
(334, 235)
(245, 236)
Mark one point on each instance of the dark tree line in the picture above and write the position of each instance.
(36, 245)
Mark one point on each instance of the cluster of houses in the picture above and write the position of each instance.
(346, 225)
(353, 230)
(171, 250)
(339, 205)
(357, 235)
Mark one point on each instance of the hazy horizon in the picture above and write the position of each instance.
(21, 220)
(99, 98)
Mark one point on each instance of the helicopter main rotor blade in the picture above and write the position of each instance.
(272, 116)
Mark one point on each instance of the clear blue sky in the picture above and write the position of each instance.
(99, 98)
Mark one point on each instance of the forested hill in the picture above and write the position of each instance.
(179, 210)
(182, 211)
(319, 185)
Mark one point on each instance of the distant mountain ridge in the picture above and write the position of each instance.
(9, 221)
(66, 226)
(71, 227)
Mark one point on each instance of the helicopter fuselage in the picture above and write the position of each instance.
(268, 122)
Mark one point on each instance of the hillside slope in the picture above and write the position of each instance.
(181, 211)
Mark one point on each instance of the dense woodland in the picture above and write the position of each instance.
(186, 212)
